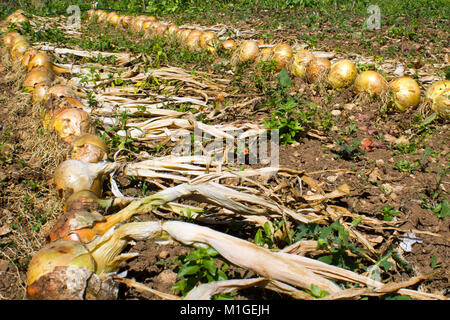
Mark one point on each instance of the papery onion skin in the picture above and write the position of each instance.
(39, 59)
(371, 82)
(39, 92)
(160, 30)
(172, 29)
(37, 75)
(265, 54)
(29, 54)
(65, 270)
(18, 50)
(183, 34)
(60, 91)
(441, 105)
(436, 89)
(193, 40)
(406, 93)
(8, 38)
(72, 122)
(342, 74)
(299, 62)
(89, 148)
(248, 51)
(317, 69)
(207, 41)
(126, 21)
(282, 53)
(72, 176)
(229, 45)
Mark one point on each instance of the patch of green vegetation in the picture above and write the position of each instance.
(199, 266)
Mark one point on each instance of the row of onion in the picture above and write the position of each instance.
(80, 179)
(405, 91)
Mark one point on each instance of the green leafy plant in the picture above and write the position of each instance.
(388, 212)
(199, 266)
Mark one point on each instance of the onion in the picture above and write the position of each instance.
(441, 105)
(73, 176)
(208, 40)
(29, 54)
(102, 17)
(39, 92)
(248, 51)
(229, 46)
(342, 74)
(16, 17)
(126, 21)
(37, 75)
(10, 37)
(99, 12)
(89, 148)
(137, 23)
(90, 13)
(115, 20)
(18, 50)
(184, 33)
(300, 61)
(282, 53)
(317, 69)
(110, 16)
(265, 54)
(71, 122)
(371, 82)
(72, 270)
(406, 93)
(172, 29)
(193, 40)
(60, 91)
(436, 89)
(161, 29)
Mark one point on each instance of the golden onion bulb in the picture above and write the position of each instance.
(208, 40)
(18, 50)
(282, 53)
(265, 54)
(248, 51)
(342, 74)
(110, 16)
(126, 21)
(300, 60)
(161, 29)
(39, 92)
(137, 23)
(317, 69)
(99, 12)
(29, 54)
(193, 40)
(89, 148)
(172, 29)
(37, 75)
(436, 89)
(73, 176)
(8, 38)
(184, 33)
(90, 13)
(72, 122)
(406, 93)
(102, 17)
(115, 20)
(371, 82)
(229, 46)
(39, 59)
(441, 105)
(60, 271)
